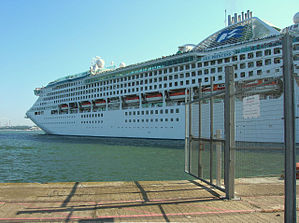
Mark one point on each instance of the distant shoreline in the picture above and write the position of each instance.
(22, 128)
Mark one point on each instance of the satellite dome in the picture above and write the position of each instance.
(100, 62)
(186, 48)
(122, 64)
(296, 18)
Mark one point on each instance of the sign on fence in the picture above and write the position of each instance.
(251, 106)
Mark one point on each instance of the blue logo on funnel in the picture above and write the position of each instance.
(227, 34)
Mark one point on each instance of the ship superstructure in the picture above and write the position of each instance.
(147, 99)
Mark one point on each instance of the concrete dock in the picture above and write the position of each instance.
(261, 200)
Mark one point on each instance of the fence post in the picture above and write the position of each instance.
(187, 141)
(289, 130)
(190, 132)
(200, 166)
(218, 158)
(229, 128)
(211, 133)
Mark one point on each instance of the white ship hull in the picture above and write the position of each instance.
(268, 127)
(115, 123)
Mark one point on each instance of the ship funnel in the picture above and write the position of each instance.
(238, 18)
(229, 20)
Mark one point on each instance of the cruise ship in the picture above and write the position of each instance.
(147, 100)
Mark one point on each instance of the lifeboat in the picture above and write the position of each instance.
(178, 95)
(85, 104)
(253, 83)
(134, 99)
(64, 106)
(100, 102)
(154, 97)
(216, 87)
(261, 86)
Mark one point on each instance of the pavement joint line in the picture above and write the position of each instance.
(259, 196)
(113, 201)
(133, 216)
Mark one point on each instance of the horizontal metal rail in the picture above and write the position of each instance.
(207, 97)
(207, 140)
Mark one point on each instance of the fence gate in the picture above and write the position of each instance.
(207, 120)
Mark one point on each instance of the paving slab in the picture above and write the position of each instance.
(261, 200)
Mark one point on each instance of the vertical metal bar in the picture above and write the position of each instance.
(211, 132)
(289, 130)
(218, 158)
(190, 135)
(121, 102)
(229, 127)
(187, 146)
(200, 166)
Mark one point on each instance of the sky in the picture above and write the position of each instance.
(43, 40)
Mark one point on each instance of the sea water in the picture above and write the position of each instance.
(33, 156)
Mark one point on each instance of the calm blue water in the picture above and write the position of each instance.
(37, 157)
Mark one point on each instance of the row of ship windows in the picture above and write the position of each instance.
(241, 57)
(92, 122)
(60, 117)
(258, 63)
(134, 120)
(152, 120)
(57, 123)
(66, 85)
(205, 80)
(147, 112)
(92, 115)
(129, 127)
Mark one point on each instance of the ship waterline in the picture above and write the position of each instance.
(147, 100)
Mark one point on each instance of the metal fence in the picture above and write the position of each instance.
(246, 129)
(257, 147)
